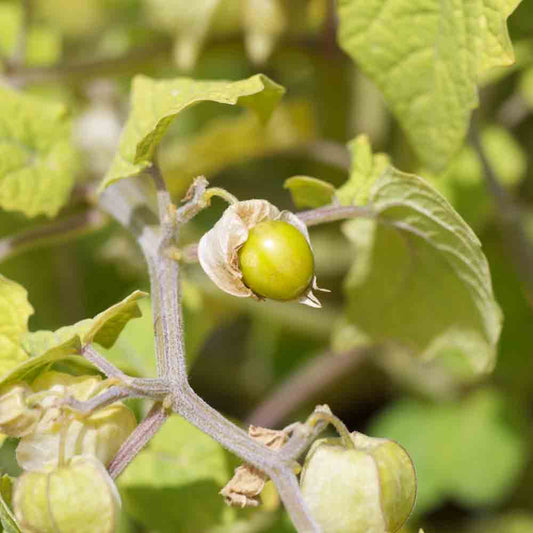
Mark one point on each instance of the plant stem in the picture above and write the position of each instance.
(510, 217)
(110, 66)
(334, 213)
(126, 205)
(52, 233)
(138, 439)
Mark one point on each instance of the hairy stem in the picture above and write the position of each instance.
(138, 439)
(156, 243)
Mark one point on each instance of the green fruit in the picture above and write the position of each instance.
(276, 261)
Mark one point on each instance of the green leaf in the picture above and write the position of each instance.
(15, 311)
(103, 329)
(467, 450)
(427, 58)
(7, 518)
(233, 140)
(31, 368)
(37, 160)
(155, 104)
(420, 278)
(366, 167)
(173, 484)
(309, 192)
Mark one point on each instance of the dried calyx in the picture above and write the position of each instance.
(256, 250)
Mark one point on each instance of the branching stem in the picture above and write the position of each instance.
(158, 241)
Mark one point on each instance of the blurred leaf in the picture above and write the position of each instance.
(514, 522)
(463, 183)
(15, 311)
(37, 159)
(427, 60)
(230, 140)
(103, 329)
(420, 277)
(73, 20)
(264, 22)
(366, 167)
(526, 86)
(309, 192)
(467, 450)
(173, 484)
(7, 518)
(155, 104)
(43, 46)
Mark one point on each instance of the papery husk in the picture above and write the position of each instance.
(218, 248)
(78, 497)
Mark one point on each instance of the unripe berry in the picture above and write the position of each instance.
(276, 261)
(256, 250)
(367, 487)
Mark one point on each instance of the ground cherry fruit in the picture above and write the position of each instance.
(276, 261)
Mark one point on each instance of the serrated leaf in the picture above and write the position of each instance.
(420, 278)
(156, 103)
(7, 518)
(37, 161)
(309, 192)
(366, 167)
(173, 484)
(468, 450)
(103, 329)
(426, 57)
(15, 311)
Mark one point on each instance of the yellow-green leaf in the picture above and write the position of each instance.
(309, 192)
(420, 278)
(103, 329)
(426, 56)
(366, 167)
(14, 313)
(156, 103)
(37, 161)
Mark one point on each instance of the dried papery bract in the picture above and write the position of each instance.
(218, 250)
(244, 488)
(367, 486)
(78, 497)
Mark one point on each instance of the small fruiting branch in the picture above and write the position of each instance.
(158, 240)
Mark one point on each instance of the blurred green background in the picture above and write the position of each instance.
(270, 363)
